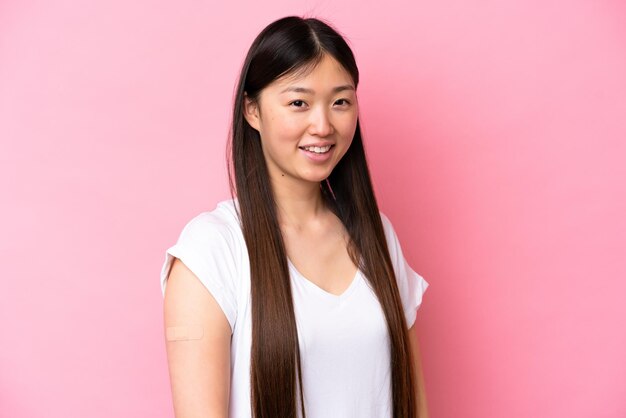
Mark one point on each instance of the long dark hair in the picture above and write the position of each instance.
(287, 45)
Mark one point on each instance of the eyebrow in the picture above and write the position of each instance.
(310, 91)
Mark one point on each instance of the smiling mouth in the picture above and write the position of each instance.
(318, 150)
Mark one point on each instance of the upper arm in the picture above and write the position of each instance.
(418, 374)
(199, 368)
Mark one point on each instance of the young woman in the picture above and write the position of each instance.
(293, 298)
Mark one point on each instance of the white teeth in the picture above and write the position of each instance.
(318, 150)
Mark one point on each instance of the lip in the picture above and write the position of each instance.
(318, 158)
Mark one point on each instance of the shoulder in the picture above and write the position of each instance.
(222, 217)
(216, 227)
(393, 241)
(390, 233)
(213, 243)
(384, 219)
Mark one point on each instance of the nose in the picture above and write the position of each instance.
(320, 123)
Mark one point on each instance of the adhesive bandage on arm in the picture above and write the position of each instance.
(184, 333)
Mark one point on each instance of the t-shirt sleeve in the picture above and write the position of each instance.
(410, 284)
(205, 247)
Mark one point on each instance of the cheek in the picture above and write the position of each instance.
(284, 127)
(347, 126)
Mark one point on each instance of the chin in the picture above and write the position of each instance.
(318, 175)
(316, 179)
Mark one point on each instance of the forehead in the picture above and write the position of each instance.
(327, 72)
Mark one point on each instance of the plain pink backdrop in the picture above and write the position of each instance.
(496, 137)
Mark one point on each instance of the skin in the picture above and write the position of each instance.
(287, 119)
(319, 105)
(422, 406)
(199, 369)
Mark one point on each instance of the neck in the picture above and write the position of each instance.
(298, 203)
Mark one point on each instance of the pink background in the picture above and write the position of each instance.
(496, 136)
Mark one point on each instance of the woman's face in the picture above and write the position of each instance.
(306, 122)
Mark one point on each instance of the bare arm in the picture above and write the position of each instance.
(417, 361)
(199, 368)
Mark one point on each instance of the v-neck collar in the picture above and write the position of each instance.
(327, 295)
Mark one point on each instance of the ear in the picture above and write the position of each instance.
(251, 111)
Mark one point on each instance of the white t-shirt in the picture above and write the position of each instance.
(344, 342)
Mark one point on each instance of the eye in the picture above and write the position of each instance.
(297, 103)
(342, 102)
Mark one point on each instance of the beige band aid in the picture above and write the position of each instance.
(184, 332)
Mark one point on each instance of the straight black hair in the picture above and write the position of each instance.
(285, 47)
